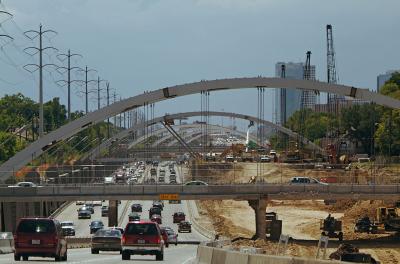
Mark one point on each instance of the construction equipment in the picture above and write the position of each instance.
(364, 225)
(389, 218)
(293, 153)
(273, 226)
(331, 228)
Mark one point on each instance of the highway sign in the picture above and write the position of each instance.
(169, 196)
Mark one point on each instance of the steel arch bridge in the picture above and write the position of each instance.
(130, 131)
(37, 148)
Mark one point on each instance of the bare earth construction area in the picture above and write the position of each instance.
(301, 219)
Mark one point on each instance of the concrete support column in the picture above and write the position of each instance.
(9, 217)
(112, 213)
(259, 206)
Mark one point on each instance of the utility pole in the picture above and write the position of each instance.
(108, 103)
(86, 81)
(39, 67)
(115, 117)
(68, 56)
(98, 91)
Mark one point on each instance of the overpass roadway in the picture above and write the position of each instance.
(201, 192)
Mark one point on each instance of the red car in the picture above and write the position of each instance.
(165, 236)
(142, 238)
(156, 218)
(41, 237)
(178, 217)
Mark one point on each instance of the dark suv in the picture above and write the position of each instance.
(142, 238)
(136, 208)
(95, 225)
(154, 210)
(42, 237)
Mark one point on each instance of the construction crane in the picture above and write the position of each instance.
(333, 99)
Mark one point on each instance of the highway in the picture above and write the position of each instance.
(173, 255)
(82, 225)
(181, 253)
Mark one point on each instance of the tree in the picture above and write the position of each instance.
(387, 136)
(359, 122)
(314, 126)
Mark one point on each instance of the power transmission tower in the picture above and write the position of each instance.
(98, 91)
(39, 67)
(63, 57)
(86, 81)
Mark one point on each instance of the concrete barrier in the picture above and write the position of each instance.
(204, 255)
(265, 259)
(218, 256)
(236, 258)
(6, 243)
(210, 255)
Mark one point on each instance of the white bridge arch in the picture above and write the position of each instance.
(36, 148)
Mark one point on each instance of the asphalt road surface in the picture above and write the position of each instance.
(184, 254)
(174, 255)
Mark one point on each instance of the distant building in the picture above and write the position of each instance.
(382, 78)
(288, 101)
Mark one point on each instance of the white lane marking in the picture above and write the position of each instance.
(189, 260)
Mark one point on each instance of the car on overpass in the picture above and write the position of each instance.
(25, 184)
(42, 237)
(196, 183)
(106, 240)
(305, 180)
(142, 238)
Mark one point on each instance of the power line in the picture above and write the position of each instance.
(68, 56)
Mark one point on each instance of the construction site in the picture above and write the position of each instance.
(367, 227)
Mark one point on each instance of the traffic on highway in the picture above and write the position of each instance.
(146, 230)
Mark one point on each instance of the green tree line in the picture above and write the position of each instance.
(18, 111)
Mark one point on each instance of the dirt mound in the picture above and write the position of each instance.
(222, 225)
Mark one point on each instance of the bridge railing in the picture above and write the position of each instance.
(216, 174)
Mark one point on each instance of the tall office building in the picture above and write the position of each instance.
(382, 78)
(288, 101)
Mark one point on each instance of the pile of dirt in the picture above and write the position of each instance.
(222, 225)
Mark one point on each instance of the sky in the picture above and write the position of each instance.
(142, 45)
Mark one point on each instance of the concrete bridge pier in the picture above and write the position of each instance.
(259, 206)
(113, 213)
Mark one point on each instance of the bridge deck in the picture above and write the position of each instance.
(210, 192)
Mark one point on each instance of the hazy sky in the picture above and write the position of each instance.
(143, 45)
